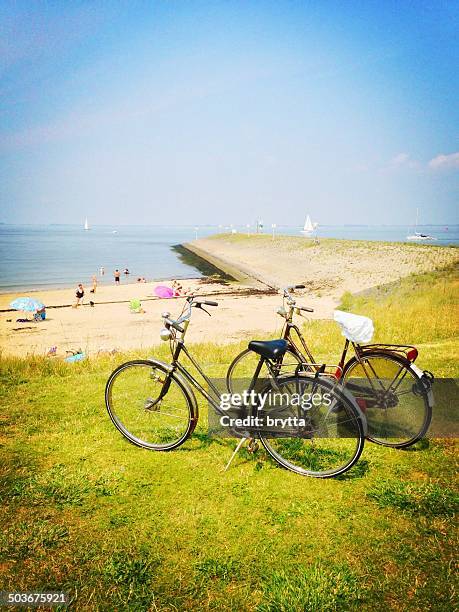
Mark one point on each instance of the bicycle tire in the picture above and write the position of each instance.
(294, 453)
(374, 420)
(137, 415)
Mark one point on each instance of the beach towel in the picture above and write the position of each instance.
(74, 358)
(135, 306)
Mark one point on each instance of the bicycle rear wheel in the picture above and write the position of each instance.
(393, 397)
(150, 405)
(330, 440)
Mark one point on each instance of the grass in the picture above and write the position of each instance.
(121, 528)
(438, 256)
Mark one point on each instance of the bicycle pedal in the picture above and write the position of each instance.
(253, 447)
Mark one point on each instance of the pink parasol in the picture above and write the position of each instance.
(164, 292)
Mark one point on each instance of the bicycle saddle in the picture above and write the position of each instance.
(269, 349)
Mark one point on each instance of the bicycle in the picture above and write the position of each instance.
(394, 393)
(153, 405)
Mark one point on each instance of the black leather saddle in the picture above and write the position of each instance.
(269, 349)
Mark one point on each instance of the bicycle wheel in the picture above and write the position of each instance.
(393, 397)
(242, 369)
(149, 405)
(331, 438)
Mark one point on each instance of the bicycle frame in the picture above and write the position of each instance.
(212, 399)
(306, 358)
(406, 352)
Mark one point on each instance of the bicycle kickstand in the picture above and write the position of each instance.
(236, 450)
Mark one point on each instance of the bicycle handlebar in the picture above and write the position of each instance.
(306, 309)
(206, 302)
(170, 323)
(192, 301)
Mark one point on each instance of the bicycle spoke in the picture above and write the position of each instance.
(134, 404)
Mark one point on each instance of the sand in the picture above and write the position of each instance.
(109, 326)
(328, 270)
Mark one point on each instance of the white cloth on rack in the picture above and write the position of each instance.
(354, 327)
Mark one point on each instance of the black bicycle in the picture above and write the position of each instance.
(153, 405)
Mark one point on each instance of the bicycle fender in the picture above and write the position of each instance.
(427, 388)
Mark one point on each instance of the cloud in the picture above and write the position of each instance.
(444, 161)
(400, 159)
(403, 160)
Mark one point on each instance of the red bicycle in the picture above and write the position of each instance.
(395, 395)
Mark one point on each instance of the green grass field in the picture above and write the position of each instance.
(120, 528)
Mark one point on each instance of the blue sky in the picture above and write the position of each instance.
(220, 112)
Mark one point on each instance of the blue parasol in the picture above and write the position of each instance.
(27, 304)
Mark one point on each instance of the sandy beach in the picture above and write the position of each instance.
(246, 309)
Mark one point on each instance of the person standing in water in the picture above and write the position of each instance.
(101, 270)
(117, 275)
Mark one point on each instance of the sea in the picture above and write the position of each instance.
(54, 256)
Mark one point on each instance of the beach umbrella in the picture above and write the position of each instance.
(164, 292)
(27, 304)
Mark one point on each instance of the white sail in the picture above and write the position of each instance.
(308, 226)
(86, 224)
(418, 235)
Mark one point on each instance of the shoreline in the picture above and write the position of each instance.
(209, 265)
(204, 269)
(247, 307)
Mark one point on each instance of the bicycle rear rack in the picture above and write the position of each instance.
(407, 351)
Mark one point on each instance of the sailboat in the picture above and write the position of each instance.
(309, 227)
(86, 224)
(417, 235)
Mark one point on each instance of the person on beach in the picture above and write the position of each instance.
(40, 315)
(79, 294)
(126, 271)
(101, 270)
(94, 284)
(178, 289)
(117, 275)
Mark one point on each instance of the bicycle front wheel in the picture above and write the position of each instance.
(393, 397)
(242, 369)
(150, 405)
(328, 436)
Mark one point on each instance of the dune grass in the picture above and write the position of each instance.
(122, 528)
